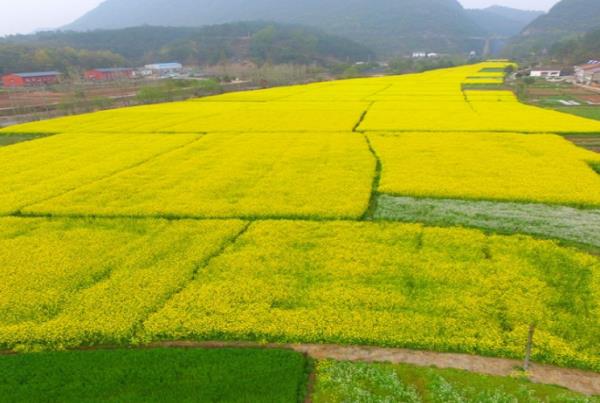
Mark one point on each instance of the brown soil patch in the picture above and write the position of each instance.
(595, 99)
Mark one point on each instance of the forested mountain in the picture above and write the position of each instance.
(577, 50)
(389, 26)
(503, 21)
(567, 19)
(257, 41)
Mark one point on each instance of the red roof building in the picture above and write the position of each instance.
(109, 74)
(31, 79)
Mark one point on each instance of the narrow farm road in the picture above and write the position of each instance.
(577, 380)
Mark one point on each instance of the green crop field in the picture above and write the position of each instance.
(171, 375)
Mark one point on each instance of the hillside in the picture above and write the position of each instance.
(386, 25)
(577, 50)
(503, 21)
(569, 18)
(259, 41)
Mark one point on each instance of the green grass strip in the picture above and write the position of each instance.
(7, 140)
(354, 382)
(565, 223)
(163, 375)
(590, 112)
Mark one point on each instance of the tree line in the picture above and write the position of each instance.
(258, 42)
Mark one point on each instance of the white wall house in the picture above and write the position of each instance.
(164, 68)
(545, 72)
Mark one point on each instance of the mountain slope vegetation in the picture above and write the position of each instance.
(566, 20)
(387, 25)
(578, 50)
(259, 41)
(568, 16)
(503, 21)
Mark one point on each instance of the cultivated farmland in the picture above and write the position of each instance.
(273, 216)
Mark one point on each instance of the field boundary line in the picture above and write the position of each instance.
(362, 117)
(311, 379)
(392, 132)
(137, 330)
(19, 212)
(177, 217)
(372, 207)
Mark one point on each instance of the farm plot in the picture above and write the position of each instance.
(354, 382)
(154, 376)
(513, 167)
(142, 119)
(237, 175)
(73, 282)
(558, 222)
(393, 285)
(475, 116)
(200, 117)
(37, 170)
(284, 116)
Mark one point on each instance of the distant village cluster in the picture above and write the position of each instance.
(42, 78)
(587, 74)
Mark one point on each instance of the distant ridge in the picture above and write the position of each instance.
(567, 19)
(389, 26)
(503, 21)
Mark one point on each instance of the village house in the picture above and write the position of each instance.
(109, 74)
(162, 69)
(546, 72)
(31, 79)
(588, 73)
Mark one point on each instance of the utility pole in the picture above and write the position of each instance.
(529, 346)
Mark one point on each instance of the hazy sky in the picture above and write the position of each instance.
(25, 16)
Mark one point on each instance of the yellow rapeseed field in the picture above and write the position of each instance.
(73, 282)
(393, 285)
(536, 168)
(240, 217)
(37, 170)
(237, 175)
(445, 114)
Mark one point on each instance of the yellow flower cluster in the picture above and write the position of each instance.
(394, 285)
(69, 282)
(536, 168)
(237, 175)
(37, 170)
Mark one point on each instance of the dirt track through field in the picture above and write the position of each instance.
(574, 379)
